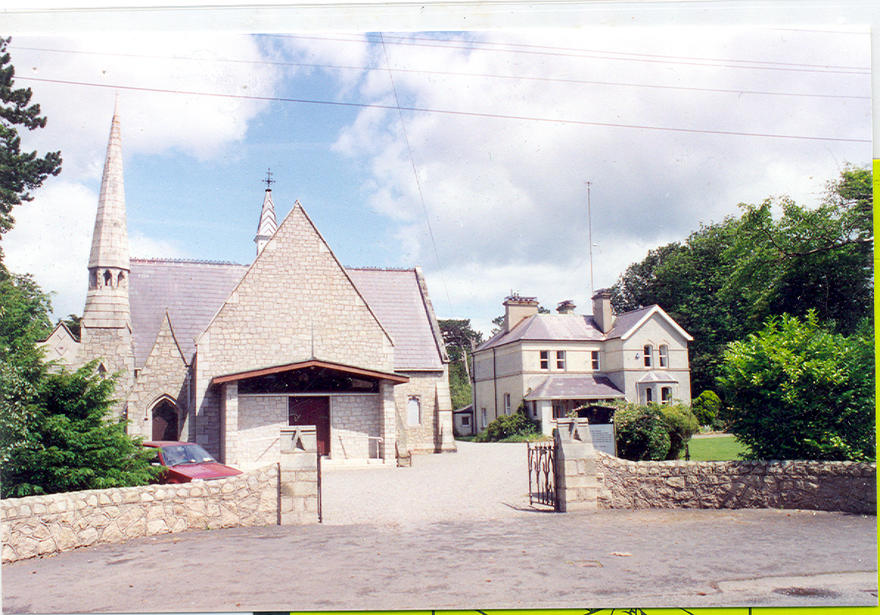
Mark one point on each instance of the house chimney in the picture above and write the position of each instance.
(602, 314)
(566, 307)
(517, 308)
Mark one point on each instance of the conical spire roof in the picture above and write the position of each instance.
(110, 237)
(268, 224)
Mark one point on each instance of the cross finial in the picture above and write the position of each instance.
(269, 181)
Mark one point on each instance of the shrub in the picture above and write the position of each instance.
(681, 424)
(642, 433)
(794, 390)
(706, 408)
(507, 426)
(57, 434)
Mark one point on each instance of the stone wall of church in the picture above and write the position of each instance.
(424, 436)
(114, 349)
(164, 374)
(354, 419)
(295, 303)
(260, 419)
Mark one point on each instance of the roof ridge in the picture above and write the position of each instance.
(370, 268)
(187, 260)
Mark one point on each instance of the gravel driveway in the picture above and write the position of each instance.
(480, 481)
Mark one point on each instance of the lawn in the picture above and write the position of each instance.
(718, 448)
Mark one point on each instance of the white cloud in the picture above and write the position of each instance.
(51, 239)
(506, 198)
(52, 234)
(153, 121)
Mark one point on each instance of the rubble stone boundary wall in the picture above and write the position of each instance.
(812, 485)
(47, 524)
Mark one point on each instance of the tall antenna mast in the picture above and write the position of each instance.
(590, 236)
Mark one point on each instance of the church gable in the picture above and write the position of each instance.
(61, 346)
(163, 377)
(295, 303)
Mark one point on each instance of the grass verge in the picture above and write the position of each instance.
(718, 448)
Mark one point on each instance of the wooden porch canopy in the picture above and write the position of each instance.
(311, 363)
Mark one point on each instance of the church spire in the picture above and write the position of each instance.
(107, 304)
(110, 238)
(106, 324)
(268, 225)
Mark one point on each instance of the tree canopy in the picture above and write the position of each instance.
(460, 338)
(796, 390)
(20, 172)
(725, 279)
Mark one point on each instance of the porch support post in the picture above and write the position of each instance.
(545, 411)
(229, 423)
(388, 422)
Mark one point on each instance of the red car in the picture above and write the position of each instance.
(186, 462)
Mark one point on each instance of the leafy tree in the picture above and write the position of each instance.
(24, 320)
(641, 432)
(460, 338)
(727, 278)
(55, 436)
(819, 259)
(20, 172)
(706, 407)
(681, 425)
(796, 390)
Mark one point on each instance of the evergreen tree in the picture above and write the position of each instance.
(20, 172)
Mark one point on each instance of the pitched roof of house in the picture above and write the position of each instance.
(563, 327)
(193, 291)
(576, 327)
(575, 386)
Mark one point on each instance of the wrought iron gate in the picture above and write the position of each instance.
(542, 474)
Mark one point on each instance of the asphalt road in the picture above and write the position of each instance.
(455, 532)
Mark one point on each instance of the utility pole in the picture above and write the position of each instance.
(590, 236)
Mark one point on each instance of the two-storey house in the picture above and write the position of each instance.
(554, 363)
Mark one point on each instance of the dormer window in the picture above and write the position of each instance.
(663, 356)
(648, 351)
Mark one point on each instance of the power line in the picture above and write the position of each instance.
(649, 58)
(737, 92)
(412, 161)
(452, 112)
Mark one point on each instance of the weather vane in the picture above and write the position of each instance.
(269, 181)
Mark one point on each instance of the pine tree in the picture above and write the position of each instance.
(20, 172)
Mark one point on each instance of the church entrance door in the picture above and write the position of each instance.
(312, 411)
(165, 421)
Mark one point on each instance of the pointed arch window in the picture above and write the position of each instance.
(108, 279)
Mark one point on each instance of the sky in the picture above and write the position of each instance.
(465, 153)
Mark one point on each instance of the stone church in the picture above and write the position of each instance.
(227, 354)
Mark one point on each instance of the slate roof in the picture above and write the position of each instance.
(657, 377)
(562, 327)
(193, 291)
(396, 298)
(568, 327)
(575, 386)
